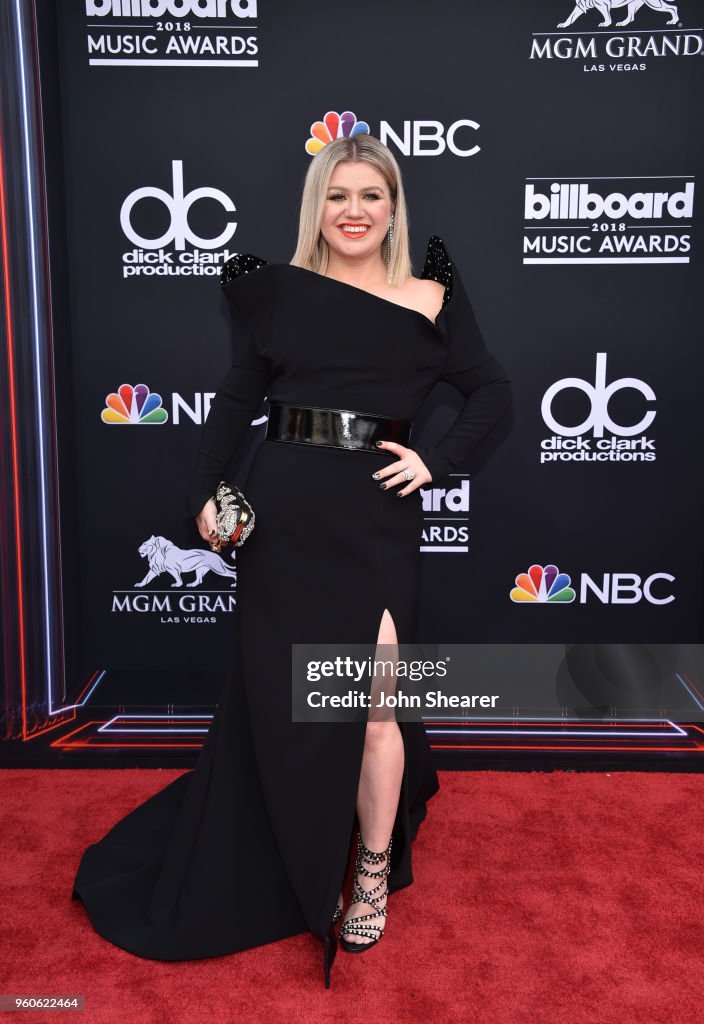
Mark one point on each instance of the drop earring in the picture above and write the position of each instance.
(389, 245)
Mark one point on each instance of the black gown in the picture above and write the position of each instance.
(252, 844)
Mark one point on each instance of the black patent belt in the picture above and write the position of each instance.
(340, 428)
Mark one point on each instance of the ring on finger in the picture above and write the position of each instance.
(409, 474)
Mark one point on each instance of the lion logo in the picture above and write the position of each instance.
(605, 7)
(164, 556)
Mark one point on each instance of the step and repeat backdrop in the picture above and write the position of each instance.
(556, 148)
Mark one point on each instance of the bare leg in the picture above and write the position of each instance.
(379, 786)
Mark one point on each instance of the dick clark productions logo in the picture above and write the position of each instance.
(570, 443)
(178, 205)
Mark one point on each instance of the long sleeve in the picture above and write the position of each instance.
(471, 369)
(236, 402)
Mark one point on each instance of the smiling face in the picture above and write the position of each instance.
(357, 210)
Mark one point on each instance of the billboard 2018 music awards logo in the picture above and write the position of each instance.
(149, 258)
(446, 517)
(180, 604)
(172, 33)
(598, 43)
(569, 443)
(610, 220)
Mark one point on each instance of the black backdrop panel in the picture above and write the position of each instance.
(519, 140)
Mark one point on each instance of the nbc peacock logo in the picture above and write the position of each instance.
(334, 126)
(133, 405)
(543, 584)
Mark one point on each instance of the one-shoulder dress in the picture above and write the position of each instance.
(251, 845)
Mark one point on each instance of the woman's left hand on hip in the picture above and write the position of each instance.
(393, 474)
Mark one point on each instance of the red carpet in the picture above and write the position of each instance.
(558, 898)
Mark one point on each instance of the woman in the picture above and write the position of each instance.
(252, 845)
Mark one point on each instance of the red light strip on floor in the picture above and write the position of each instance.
(78, 744)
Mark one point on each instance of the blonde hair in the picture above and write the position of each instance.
(312, 249)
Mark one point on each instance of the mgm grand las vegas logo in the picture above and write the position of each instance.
(182, 570)
(597, 41)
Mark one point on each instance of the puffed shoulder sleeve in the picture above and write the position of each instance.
(469, 367)
(241, 392)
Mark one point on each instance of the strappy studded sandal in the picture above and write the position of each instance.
(372, 897)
